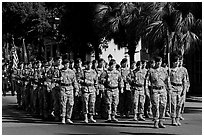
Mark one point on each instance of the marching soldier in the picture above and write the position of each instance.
(77, 110)
(179, 84)
(125, 103)
(56, 88)
(89, 82)
(137, 80)
(158, 78)
(5, 79)
(187, 86)
(113, 83)
(68, 84)
(100, 100)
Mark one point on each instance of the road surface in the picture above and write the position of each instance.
(19, 122)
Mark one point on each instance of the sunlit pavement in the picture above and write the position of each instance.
(19, 122)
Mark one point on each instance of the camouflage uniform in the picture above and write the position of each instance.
(100, 99)
(89, 89)
(56, 91)
(137, 81)
(5, 78)
(125, 103)
(184, 70)
(158, 79)
(34, 91)
(178, 82)
(68, 84)
(77, 110)
(47, 88)
(19, 86)
(113, 82)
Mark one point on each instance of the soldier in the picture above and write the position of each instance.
(77, 110)
(188, 84)
(89, 83)
(113, 83)
(5, 79)
(56, 87)
(71, 65)
(179, 84)
(100, 99)
(158, 78)
(19, 84)
(132, 66)
(125, 103)
(137, 80)
(68, 84)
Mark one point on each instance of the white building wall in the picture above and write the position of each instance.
(119, 54)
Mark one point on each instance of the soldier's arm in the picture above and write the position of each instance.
(75, 85)
(120, 82)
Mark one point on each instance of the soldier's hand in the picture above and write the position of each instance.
(121, 90)
(76, 94)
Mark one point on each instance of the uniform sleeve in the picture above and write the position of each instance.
(129, 77)
(75, 83)
(120, 81)
(147, 79)
(187, 78)
(103, 77)
(96, 80)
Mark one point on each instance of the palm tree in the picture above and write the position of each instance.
(178, 31)
(125, 22)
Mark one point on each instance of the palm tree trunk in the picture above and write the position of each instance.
(131, 51)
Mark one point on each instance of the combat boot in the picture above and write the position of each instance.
(174, 122)
(161, 125)
(92, 119)
(178, 121)
(114, 119)
(86, 118)
(135, 118)
(141, 118)
(69, 121)
(156, 122)
(63, 120)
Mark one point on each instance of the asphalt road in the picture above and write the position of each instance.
(19, 122)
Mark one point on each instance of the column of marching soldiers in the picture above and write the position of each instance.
(64, 90)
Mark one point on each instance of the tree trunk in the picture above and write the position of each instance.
(131, 51)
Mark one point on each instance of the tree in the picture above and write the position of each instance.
(174, 27)
(125, 22)
(25, 20)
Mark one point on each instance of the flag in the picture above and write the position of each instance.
(14, 56)
(25, 52)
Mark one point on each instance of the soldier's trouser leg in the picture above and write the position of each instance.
(109, 99)
(141, 102)
(40, 100)
(103, 106)
(45, 102)
(128, 101)
(115, 101)
(168, 103)
(176, 103)
(12, 87)
(85, 100)
(98, 103)
(67, 103)
(158, 104)
(183, 103)
(135, 101)
(121, 105)
(92, 100)
(56, 103)
(147, 105)
(18, 90)
(35, 99)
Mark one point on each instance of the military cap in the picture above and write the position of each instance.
(174, 58)
(100, 60)
(158, 59)
(71, 61)
(65, 61)
(112, 61)
(143, 61)
(94, 61)
(124, 60)
(78, 60)
(138, 63)
(110, 56)
(87, 62)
